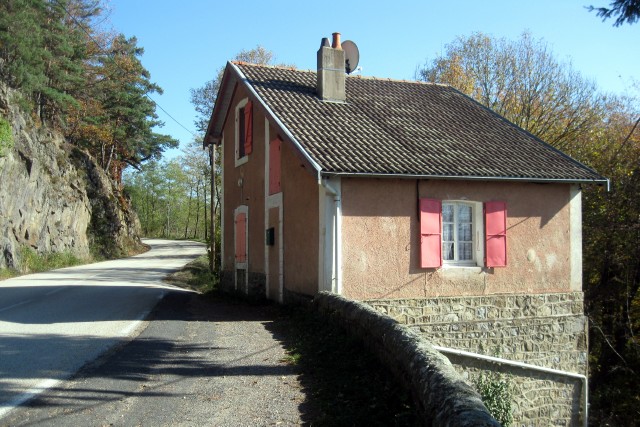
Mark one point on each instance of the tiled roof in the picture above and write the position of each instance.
(406, 128)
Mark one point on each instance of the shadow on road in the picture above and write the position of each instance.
(333, 389)
(132, 368)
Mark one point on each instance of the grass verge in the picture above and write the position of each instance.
(195, 276)
(33, 262)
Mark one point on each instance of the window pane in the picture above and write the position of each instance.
(464, 232)
(464, 251)
(447, 212)
(447, 251)
(447, 232)
(464, 213)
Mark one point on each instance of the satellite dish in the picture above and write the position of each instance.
(351, 56)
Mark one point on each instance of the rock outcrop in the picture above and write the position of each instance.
(55, 198)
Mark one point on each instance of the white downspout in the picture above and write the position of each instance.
(527, 366)
(337, 198)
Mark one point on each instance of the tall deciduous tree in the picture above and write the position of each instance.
(522, 81)
(172, 197)
(204, 97)
(203, 100)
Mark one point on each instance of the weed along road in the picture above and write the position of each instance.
(52, 324)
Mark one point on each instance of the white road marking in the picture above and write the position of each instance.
(128, 330)
(29, 394)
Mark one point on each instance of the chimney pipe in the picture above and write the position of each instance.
(336, 41)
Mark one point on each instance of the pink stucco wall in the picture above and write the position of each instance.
(245, 185)
(249, 193)
(300, 193)
(380, 238)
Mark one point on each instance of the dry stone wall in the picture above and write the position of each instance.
(442, 396)
(548, 330)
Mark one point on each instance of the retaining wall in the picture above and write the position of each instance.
(547, 330)
(443, 397)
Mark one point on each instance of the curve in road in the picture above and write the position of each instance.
(51, 324)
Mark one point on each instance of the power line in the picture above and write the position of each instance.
(104, 52)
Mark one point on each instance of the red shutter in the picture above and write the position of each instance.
(274, 166)
(248, 128)
(430, 231)
(495, 223)
(241, 237)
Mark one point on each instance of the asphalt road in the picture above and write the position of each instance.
(52, 324)
(199, 361)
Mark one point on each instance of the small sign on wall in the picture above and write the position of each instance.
(270, 236)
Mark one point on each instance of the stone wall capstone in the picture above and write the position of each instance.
(443, 397)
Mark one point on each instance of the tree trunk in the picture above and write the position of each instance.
(205, 216)
(195, 229)
(186, 225)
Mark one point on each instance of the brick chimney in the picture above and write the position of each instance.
(331, 71)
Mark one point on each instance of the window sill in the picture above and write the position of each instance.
(242, 160)
(458, 268)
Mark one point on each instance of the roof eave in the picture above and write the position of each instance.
(598, 181)
(220, 108)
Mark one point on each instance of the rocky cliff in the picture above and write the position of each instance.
(55, 198)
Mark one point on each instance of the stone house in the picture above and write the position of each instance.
(419, 201)
(374, 188)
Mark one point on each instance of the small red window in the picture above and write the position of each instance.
(274, 166)
(248, 128)
(241, 237)
(495, 220)
(430, 230)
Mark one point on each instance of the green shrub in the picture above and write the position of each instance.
(6, 273)
(33, 262)
(496, 391)
(6, 137)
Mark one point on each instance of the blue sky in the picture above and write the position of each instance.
(186, 42)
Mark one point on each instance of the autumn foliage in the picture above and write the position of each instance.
(87, 83)
(524, 82)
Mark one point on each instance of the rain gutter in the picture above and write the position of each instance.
(602, 181)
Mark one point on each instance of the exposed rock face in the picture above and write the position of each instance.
(55, 198)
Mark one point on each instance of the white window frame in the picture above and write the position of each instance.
(477, 235)
(244, 159)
